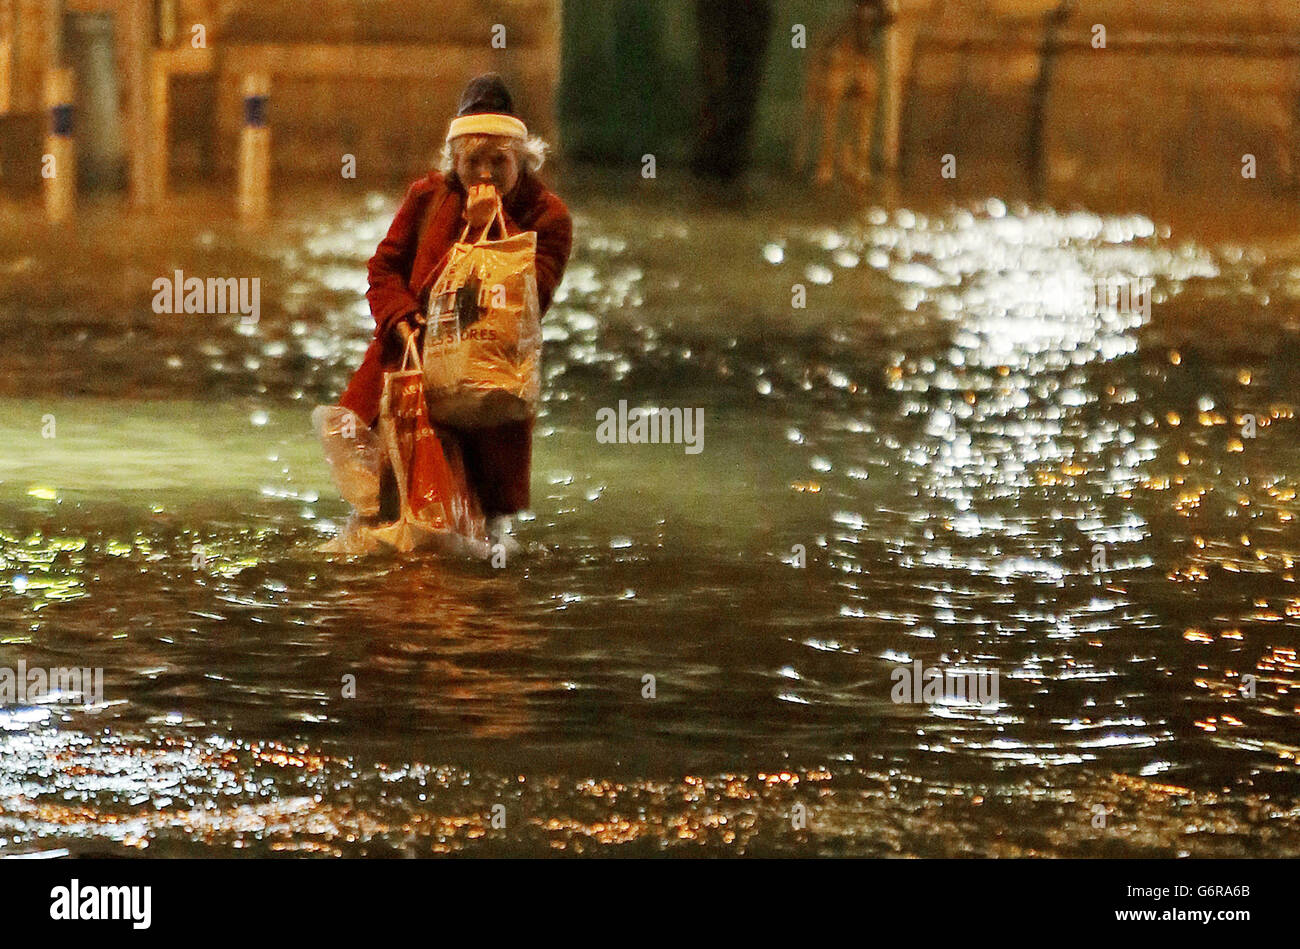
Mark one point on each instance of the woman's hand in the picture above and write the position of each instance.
(481, 206)
(400, 326)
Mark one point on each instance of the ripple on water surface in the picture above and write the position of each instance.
(951, 456)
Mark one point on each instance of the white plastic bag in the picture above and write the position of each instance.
(355, 455)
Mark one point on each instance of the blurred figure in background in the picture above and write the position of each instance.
(733, 37)
(847, 72)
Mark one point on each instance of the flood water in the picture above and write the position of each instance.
(951, 454)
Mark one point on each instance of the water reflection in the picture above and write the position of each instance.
(952, 455)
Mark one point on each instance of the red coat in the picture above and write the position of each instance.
(403, 270)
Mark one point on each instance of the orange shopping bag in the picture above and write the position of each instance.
(432, 485)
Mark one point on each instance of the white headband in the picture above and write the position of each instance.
(487, 123)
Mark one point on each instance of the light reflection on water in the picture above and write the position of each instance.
(985, 472)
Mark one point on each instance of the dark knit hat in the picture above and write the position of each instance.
(486, 108)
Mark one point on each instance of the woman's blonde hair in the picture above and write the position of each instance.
(530, 153)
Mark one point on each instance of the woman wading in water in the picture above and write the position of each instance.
(488, 153)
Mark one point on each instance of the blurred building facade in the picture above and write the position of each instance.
(159, 81)
(1179, 93)
(1177, 96)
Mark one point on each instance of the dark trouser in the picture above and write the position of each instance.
(498, 465)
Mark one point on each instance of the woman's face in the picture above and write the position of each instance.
(489, 160)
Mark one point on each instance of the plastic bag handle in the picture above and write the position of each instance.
(430, 288)
(412, 352)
